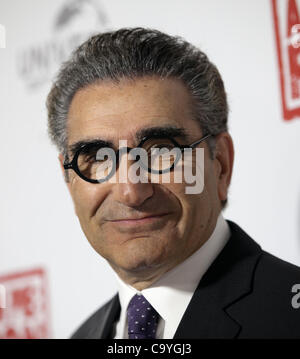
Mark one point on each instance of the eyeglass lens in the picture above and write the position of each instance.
(97, 163)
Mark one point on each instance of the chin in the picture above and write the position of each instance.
(137, 254)
(135, 262)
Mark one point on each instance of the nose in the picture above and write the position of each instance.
(127, 192)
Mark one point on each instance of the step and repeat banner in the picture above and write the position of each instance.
(50, 277)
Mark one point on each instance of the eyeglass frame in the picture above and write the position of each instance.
(74, 165)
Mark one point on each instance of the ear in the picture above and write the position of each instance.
(224, 158)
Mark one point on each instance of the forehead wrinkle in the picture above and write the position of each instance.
(115, 121)
(93, 97)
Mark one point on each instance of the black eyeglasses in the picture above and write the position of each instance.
(95, 163)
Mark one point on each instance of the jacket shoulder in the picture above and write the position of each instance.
(271, 306)
(270, 310)
(93, 326)
(276, 272)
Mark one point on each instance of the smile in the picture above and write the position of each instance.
(139, 221)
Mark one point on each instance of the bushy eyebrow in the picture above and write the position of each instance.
(161, 131)
(97, 141)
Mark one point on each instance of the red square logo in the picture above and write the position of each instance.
(24, 307)
(287, 33)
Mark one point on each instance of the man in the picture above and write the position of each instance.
(183, 271)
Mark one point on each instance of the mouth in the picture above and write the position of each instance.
(139, 221)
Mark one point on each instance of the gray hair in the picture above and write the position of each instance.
(133, 53)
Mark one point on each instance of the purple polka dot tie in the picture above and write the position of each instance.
(142, 318)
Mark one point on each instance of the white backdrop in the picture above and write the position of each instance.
(38, 224)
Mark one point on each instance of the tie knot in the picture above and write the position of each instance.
(142, 318)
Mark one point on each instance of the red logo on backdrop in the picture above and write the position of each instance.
(287, 31)
(24, 308)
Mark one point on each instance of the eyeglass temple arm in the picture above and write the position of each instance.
(68, 166)
(201, 139)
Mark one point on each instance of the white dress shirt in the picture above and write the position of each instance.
(172, 292)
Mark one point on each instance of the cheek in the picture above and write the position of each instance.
(186, 205)
(87, 197)
(211, 182)
(195, 206)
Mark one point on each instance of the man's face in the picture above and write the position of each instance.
(116, 112)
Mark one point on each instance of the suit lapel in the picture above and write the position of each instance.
(227, 281)
(104, 320)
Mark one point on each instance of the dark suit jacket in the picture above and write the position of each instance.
(245, 293)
